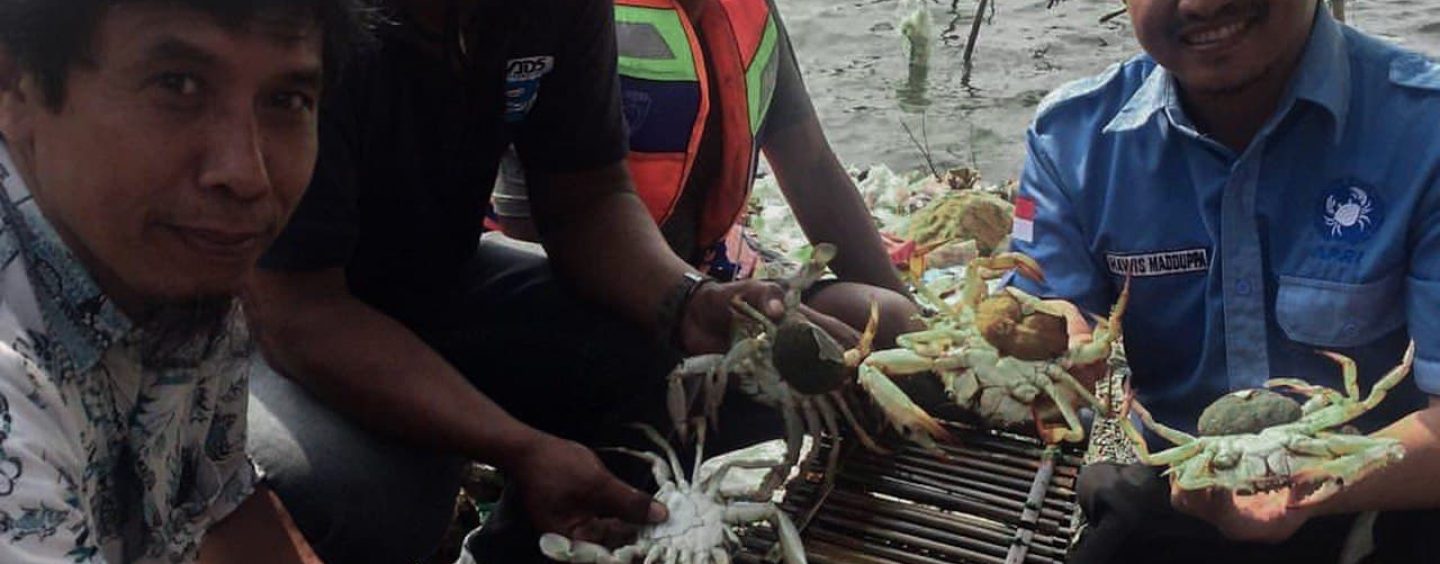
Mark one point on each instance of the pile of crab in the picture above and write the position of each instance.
(953, 214)
(1000, 355)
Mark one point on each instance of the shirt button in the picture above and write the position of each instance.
(1242, 287)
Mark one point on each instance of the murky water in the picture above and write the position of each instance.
(851, 54)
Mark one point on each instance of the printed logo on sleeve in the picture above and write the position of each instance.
(1024, 226)
(1165, 263)
(522, 84)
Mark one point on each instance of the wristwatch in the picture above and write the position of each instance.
(672, 308)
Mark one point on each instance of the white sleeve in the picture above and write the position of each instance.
(44, 515)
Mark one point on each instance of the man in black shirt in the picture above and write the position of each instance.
(379, 301)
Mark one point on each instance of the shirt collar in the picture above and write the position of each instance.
(77, 314)
(1322, 77)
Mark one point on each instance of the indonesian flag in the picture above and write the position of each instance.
(1024, 229)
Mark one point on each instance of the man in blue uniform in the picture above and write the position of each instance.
(1268, 179)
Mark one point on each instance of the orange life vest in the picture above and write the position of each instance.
(666, 91)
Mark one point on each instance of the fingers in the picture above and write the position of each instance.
(768, 297)
(610, 533)
(616, 499)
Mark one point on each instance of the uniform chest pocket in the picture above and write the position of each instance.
(1339, 315)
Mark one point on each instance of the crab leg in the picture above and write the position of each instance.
(678, 401)
(980, 269)
(749, 311)
(664, 445)
(1106, 332)
(1062, 376)
(794, 442)
(1359, 457)
(810, 272)
(1074, 431)
(1169, 434)
(1390, 380)
(860, 433)
(711, 484)
(561, 549)
(1348, 371)
(855, 356)
(813, 427)
(1191, 476)
(1319, 396)
(1187, 446)
(900, 411)
(791, 549)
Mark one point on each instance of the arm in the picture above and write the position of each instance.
(313, 330)
(821, 194)
(632, 269)
(260, 530)
(597, 233)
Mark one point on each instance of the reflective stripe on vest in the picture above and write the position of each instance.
(667, 98)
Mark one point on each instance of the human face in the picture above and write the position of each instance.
(1220, 46)
(179, 150)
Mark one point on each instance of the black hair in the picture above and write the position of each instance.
(49, 37)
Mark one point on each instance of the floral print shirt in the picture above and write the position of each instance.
(103, 457)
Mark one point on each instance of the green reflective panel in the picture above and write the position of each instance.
(760, 77)
(653, 44)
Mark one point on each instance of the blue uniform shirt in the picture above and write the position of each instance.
(1323, 234)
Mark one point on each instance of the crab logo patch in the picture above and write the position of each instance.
(1350, 213)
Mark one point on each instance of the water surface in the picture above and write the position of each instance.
(851, 54)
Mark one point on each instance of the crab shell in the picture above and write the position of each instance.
(1246, 412)
(808, 358)
(1037, 336)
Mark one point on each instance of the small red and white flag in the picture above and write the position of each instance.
(1024, 230)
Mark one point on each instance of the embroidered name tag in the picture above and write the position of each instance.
(1159, 264)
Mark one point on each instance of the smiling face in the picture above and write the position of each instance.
(178, 151)
(1220, 46)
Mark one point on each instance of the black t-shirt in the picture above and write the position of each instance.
(409, 149)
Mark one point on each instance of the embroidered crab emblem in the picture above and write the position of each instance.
(1355, 212)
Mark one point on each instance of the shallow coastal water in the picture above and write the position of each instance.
(851, 54)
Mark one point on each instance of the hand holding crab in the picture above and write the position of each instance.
(1306, 454)
(795, 366)
(699, 527)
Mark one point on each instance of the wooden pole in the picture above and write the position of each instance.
(974, 35)
(1338, 7)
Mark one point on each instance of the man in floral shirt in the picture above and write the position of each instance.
(149, 152)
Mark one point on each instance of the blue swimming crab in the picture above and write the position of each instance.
(1307, 452)
(999, 355)
(796, 367)
(701, 516)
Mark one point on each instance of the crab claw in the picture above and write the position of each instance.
(855, 356)
(1022, 263)
(901, 412)
(562, 549)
